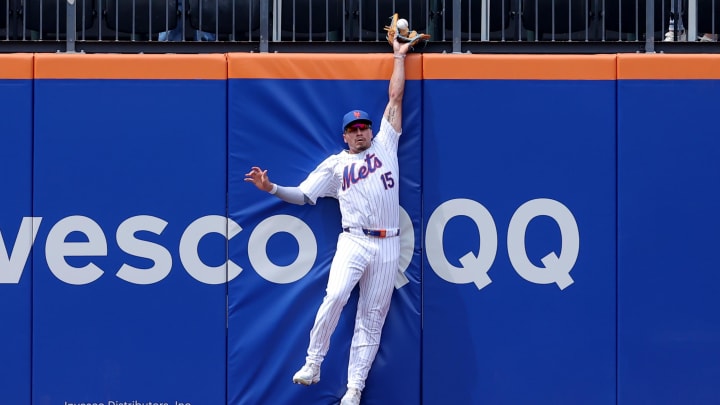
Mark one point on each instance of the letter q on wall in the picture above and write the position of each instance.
(475, 268)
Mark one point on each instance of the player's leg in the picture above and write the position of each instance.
(376, 289)
(347, 267)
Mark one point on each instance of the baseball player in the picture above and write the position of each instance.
(364, 178)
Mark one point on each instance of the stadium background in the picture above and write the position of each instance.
(100, 152)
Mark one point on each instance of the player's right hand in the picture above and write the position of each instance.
(259, 177)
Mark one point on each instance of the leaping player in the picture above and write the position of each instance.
(364, 179)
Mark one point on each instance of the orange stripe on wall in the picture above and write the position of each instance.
(668, 66)
(119, 66)
(377, 66)
(519, 67)
(16, 66)
(359, 66)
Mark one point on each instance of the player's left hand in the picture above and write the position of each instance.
(401, 48)
(404, 35)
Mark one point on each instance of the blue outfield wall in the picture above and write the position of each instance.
(129, 285)
(558, 242)
(16, 238)
(519, 277)
(668, 273)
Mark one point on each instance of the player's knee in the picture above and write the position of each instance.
(376, 316)
(336, 298)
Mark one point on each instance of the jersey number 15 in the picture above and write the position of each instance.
(387, 179)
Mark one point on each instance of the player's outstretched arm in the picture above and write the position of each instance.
(396, 89)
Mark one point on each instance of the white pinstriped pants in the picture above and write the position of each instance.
(372, 262)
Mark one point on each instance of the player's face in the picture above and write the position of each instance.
(358, 137)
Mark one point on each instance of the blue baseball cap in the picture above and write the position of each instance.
(355, 116)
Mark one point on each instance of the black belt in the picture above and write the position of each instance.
(378, 233)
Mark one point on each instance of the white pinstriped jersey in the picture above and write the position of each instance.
(366, 184)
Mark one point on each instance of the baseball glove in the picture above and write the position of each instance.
(403, 34)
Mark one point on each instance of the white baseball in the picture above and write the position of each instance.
(402, 24)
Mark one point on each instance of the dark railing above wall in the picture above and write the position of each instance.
(477, 26)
